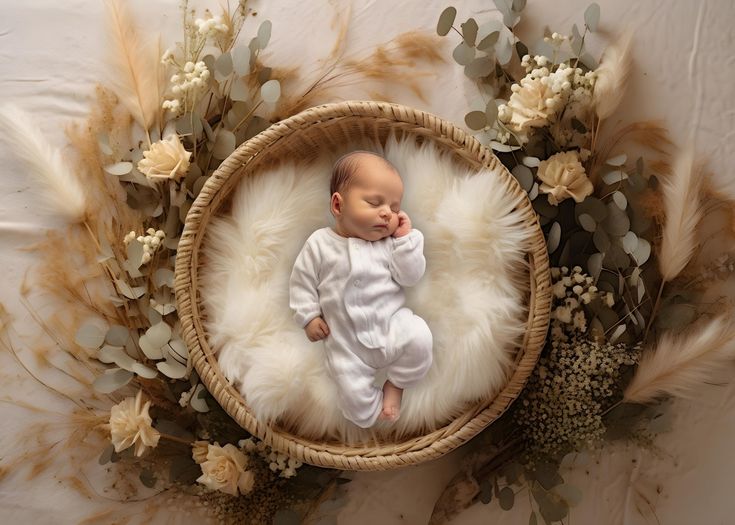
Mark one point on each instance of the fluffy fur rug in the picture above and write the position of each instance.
(469, 296)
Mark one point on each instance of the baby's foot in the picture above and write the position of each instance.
(391, 402)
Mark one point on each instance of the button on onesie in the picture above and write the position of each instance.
(356, 286)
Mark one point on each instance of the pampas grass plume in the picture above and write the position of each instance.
(612, 75)
(137, 67)
(680, 364)
(63, 190)
(683, 211)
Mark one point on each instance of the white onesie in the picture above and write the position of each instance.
(356, 286)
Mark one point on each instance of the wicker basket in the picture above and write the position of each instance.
(303, 137)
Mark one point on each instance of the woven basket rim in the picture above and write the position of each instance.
(361, 457)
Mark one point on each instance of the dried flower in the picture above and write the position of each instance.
(562, 176)
(224, 470)
(130, 424)
(199, 450)
(166, 159)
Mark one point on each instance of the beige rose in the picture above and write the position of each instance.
(199, 450)
(130, 425)
(530, 106)
(166, 159)
(224, 470)
(562, 176)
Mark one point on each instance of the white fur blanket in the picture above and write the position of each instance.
(475, 245)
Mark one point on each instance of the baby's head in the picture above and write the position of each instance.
(366, 196)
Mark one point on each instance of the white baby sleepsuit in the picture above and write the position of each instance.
(356, 286)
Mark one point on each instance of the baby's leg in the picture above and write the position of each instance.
(359, 399)
(412, 342)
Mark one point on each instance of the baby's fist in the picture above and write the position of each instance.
(404, 225)
(316, 329)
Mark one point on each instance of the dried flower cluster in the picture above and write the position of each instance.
(130, 424)
(571, 291)
(561, 408)
(277, 462)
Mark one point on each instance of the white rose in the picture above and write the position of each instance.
(167, 159)
(563, 176)
(130, 424)
(224, 470)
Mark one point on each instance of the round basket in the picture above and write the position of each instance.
(303, 137)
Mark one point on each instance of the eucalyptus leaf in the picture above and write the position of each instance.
(615, 257)
(469, 32)
(134, 253)
(149, 349)
(463, 54)
(620, 200)
(117, 335)
(601, 240)
(241, 60)
(534, 191)
(116, 354)
(111, 380)
(475, 120)
(630, 243)
(489, 41)
(171, 369)
(617, 222)
(548, 475)
(587, 222)
(480, 67)
(91, 334)
(239, 93)
(592, 17)
(613, 177)
(676, 316)
(224, 144)
(178, 351)
(143, 371)
(531, 162)
(641, 288)
(641, 252)
(158, 334)
(593, 207)
(119, 168)
(503, 148)
(569, 493)
(491, 112)
(519, 5)
(617, 160)
(486, 491)
(165, 308)
(524, 176)
(271, 91)
(503, 50)
(163, 277)
(131, 293)
(506, 498)
(446, 20)
(594, 265)
(223, 66)
(554, 237)
(106, 455)
(197, 402)
(619, 330)
(264, 33)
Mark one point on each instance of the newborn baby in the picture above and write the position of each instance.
(346, 288)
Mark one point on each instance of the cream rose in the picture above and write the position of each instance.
(130, 425)
(224, 469)
(531, 105)
(166, 159)
(563, 176)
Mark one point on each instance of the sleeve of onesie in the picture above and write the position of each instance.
(407, 262)
(303, 294)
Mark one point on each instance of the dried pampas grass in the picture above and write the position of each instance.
(680, 364)
(137, 65)
(63, 190)
(683, 211)
(612, 76)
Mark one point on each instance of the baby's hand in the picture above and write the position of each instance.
(316, 329)
(404, 225)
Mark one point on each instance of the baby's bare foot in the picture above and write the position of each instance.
(391, 402)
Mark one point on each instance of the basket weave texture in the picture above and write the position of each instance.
(302, 138)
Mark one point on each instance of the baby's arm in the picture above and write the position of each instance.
(407, 262)
(303, 294)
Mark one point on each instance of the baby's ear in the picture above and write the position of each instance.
(336, 204)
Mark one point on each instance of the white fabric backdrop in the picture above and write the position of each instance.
(52, 54)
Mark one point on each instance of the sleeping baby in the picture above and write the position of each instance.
(346, 288)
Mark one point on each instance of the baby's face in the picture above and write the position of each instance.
(370, 205)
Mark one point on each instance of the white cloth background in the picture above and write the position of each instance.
(52, 54)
